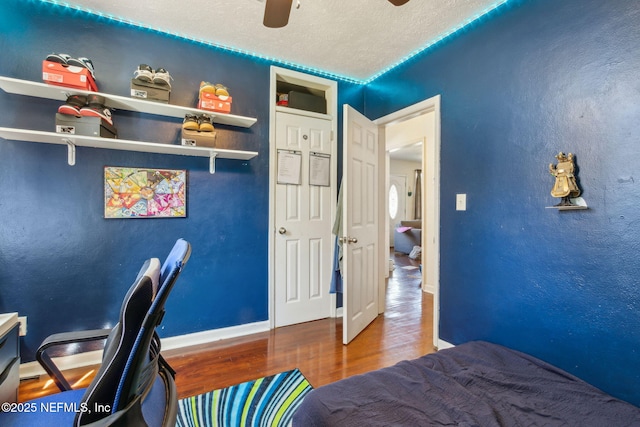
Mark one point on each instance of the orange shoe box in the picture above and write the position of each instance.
(57, 74)
(209, 101)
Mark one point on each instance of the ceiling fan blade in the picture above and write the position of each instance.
(276, 13)
(398, 2)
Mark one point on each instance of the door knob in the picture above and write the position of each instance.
(346, 239)
(282, 230)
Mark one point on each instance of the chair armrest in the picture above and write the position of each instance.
(63, 339)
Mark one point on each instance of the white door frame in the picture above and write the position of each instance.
(430, 197)
(330, 88)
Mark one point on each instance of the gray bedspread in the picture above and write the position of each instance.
(473, 384)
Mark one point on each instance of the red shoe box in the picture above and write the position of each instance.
(57, 74)
(209, 101)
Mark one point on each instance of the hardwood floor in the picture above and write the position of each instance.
(404, 331)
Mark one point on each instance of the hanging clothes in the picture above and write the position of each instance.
(336, 277)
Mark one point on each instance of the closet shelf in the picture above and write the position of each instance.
(60, 93)
(289, 110)
(71, 141)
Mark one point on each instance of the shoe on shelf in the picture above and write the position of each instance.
(221, 91)
(95, 108)
(162, 77)
(207, 87)
(144, 73)
(204, 121)
(190, 122)
(60, 58)
(84, 63)
(73, 105)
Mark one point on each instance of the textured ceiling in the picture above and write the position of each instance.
(354, 39)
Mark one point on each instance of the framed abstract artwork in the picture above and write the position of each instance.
(144, 193)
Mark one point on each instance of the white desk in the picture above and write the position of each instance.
(9, 357)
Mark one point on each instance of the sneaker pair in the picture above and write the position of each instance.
(64, 59)
(218, 90)
(200, 122)
(147, 74)
(87, 106)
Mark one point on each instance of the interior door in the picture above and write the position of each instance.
(360, 240)
(303, 243)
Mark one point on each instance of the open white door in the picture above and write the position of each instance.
(360, 239)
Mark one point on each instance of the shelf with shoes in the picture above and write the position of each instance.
(117, 102)
(42, 90)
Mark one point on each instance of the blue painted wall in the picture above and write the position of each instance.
(535, 78)
(66, 267)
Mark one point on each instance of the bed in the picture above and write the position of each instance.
(473, 384)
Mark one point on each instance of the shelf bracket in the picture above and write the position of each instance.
(71, 152)
(212, 162)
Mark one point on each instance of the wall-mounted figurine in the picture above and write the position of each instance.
(566, 186)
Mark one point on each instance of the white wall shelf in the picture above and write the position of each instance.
(71, 141)
(60, 93)
(578, 203)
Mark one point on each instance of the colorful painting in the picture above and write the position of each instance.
(144, 193)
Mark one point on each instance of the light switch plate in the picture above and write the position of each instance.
(23, 325)
(461, 202)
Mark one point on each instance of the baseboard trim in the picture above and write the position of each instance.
(430, 289)
(213, 335)
(33, 369)
(444, 344)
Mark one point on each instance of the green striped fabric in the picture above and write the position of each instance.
(265, 402)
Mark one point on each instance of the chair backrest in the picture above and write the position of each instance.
(178, 256)
(171, 269)
(132, 369)
(102, 391)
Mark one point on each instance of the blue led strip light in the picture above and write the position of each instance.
(99, 15)
(114, 19)
(449, 34)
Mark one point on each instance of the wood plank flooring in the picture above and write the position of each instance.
(404, 331)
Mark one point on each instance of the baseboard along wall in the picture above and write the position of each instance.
(90, 358)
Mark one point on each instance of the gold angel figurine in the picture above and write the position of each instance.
(565, 186)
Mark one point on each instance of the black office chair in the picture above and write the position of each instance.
(134, 385)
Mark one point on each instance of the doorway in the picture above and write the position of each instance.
(419, 126)
(302, 204)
